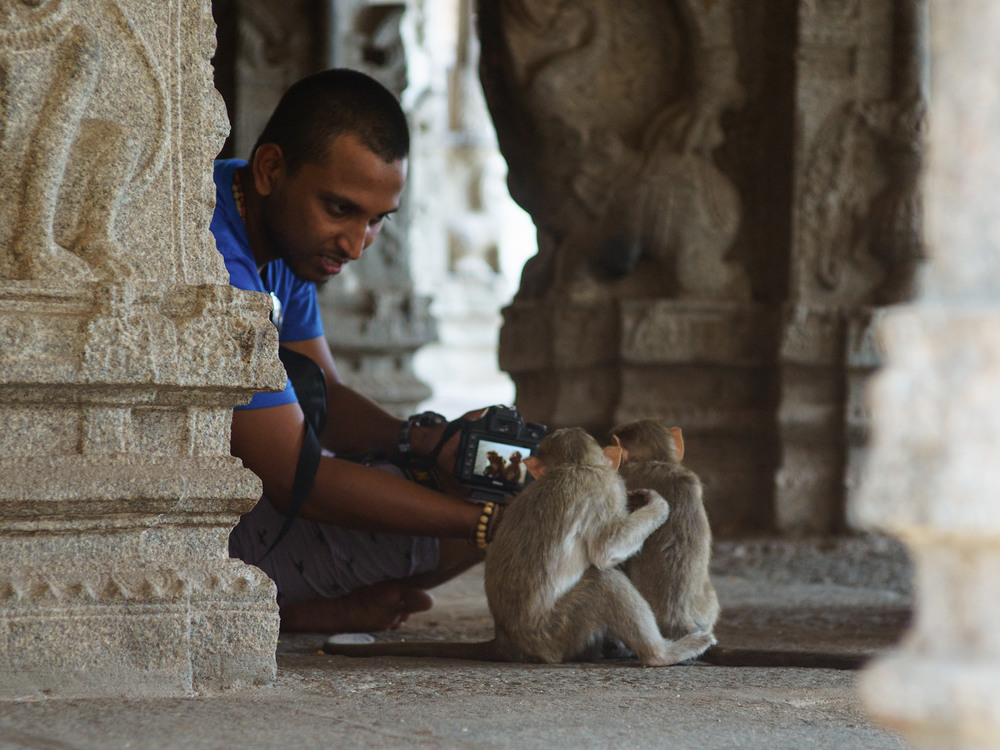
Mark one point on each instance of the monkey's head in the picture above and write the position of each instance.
(570, 445)
(650, 440)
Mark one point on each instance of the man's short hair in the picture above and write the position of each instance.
(335, 102)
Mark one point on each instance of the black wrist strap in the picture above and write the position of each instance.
(305, 477)
(450, 430)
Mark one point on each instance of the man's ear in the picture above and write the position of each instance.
(679, 440)
(268, 166)
(535, 466)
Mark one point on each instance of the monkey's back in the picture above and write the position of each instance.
(672, 569)
(538, 552)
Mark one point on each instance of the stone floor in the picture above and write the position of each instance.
(849, 597)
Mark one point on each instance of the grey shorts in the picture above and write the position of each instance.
(323, 561)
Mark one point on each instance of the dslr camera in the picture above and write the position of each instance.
(491, 453)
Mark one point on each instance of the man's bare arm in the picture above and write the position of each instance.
(354, 423)
(269, 440)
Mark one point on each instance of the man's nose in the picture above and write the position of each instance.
(355, 239)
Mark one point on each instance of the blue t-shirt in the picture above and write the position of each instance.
(299, 306)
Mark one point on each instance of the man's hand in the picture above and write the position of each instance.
(423, 441)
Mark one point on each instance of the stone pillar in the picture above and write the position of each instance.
(122, 353)
(612, 118)
(934, 478)
(856, 243)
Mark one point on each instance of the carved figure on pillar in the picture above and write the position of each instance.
(75, 165)
(608, 117)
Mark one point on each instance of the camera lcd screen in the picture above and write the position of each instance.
(501, 463)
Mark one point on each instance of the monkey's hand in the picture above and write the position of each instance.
(639, 499)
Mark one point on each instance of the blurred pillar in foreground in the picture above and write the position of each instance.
(934, 478)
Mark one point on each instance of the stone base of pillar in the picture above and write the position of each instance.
(117, 490)
(933, 482)
(563, 358)
(146, 631)
(941, 688)
(827, 357)
(701, 365)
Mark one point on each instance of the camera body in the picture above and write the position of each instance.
(491, 452)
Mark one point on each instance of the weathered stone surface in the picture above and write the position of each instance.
(934, 479)
(627, 193)
(122, 353)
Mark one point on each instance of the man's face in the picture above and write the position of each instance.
(327, 213)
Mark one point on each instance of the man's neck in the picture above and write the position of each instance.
(249, 204)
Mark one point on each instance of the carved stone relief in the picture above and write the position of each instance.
(862, 108)
(627, 198)
(857, 240)
(610, 117)
(623, 153)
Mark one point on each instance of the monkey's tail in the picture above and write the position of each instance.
(751, 657)
(689, 647)
(479, 651)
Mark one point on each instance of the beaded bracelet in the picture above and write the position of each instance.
(483, 535)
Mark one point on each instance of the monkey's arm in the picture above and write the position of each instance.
(622, 537)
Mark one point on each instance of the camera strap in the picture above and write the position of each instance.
(447, 435)
(310, 388)
(423, 469)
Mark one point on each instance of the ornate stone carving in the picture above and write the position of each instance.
(78, 158)
(857, 240)
(627, 198)
(123, 354)
(611, 117)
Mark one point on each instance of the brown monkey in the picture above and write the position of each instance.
(514, 471)
(552, 582)
(496, 466)
(672, 568)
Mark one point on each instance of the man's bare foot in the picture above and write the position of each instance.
(381, 606)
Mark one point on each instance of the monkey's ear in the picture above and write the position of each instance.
(535, 466)
(679, 439)
(616, 454)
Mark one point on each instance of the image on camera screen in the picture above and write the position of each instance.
(501, 462)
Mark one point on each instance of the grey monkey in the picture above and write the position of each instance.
(552, 580)
(672, 569)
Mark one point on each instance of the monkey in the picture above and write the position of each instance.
(672, 569)
(514, 471)
(496, 467)
(551, 575)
